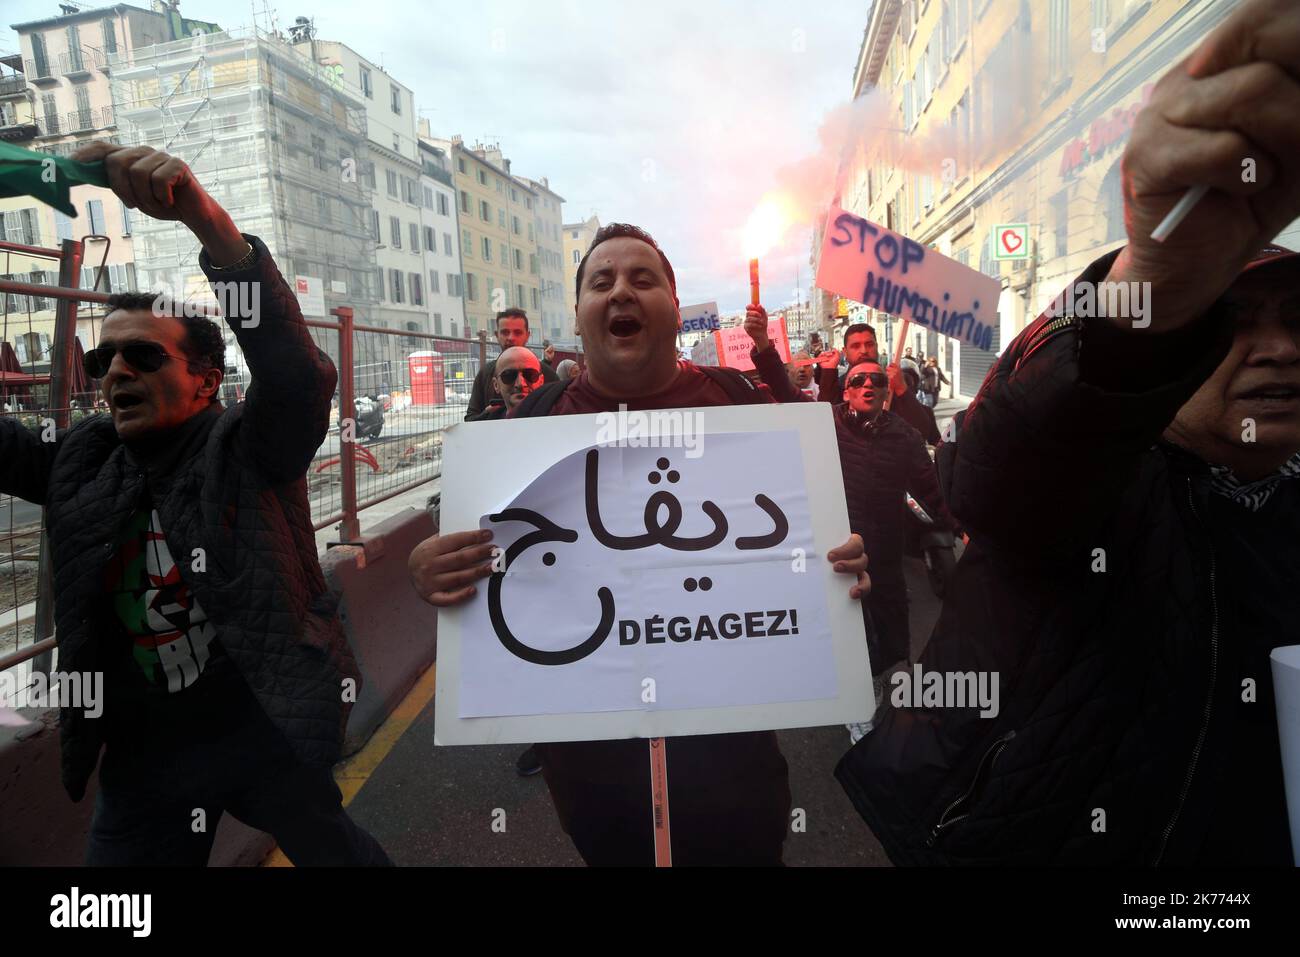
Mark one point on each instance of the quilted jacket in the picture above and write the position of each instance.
(880, 462)
(242, 497)
(1112, 672)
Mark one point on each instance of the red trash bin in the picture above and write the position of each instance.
(427, 384)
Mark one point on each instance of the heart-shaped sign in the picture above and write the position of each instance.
(1011, 240)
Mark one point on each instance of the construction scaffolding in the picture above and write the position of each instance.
(278, 140)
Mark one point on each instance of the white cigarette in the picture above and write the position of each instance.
(1179, 213)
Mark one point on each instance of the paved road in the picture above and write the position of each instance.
(430, 805)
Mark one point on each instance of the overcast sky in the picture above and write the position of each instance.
(674, 115)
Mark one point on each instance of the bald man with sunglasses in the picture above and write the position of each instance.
(186, 580)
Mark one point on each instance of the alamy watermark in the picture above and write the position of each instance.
(1119, 300)
(74, 689)
(666, 428)
(946, 689)
(237, 301)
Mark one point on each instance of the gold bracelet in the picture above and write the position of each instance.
(242, 263)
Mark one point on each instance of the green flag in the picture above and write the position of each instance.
(45, 177)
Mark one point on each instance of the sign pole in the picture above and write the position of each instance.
(659, 802)
(898, 357)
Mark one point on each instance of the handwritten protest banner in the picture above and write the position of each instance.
(731, 347)
(650, 584)
(882, 269)
(700, 318)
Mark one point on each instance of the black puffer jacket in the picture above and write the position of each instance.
(1121, 712)
(242, 497)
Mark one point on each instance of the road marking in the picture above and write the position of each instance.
(352, 774)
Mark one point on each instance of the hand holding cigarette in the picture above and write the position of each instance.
(1222, 121)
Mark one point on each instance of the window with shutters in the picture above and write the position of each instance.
(74, 49)
(446, 245)
(417, 294)
(63, 225)
(51, 110)
(443, 205)
(464, 201)
(415, 237)
(392, 182)
(484, 211)
(487, 250)
(430, 241)
(1058, 39)
(126, 218)
(395, 232)
(395, 275)
(365, 84)
(466, 243)
(40, 55)
(471, 287)
(95, 211)
(433, 282)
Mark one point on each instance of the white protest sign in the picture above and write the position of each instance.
(1286, 694)
(651, 586)
(705, 352)
(880, 268)
(700, 318)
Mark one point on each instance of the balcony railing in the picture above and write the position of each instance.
(74, 62)
(10, 85)
(40, 73)
(50, 126)
(79, 120)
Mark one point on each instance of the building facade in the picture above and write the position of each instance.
(548, 220)
(439, 228)
(495, 211)
(278, 141)
(55, 97)
(391, 170)
(577, 239)
(1023, 110)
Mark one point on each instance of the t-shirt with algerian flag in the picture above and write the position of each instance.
(165, 667)
(45, 177)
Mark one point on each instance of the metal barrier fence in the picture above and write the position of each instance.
(420, 382)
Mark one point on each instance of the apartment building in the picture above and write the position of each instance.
(495, 212)
(279, 141)
(55, 97)
(391, 171)
(439, 229)
(1021, 111)
(577, 239)
(548, 264)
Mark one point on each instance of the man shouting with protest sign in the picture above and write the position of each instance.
(730, 798)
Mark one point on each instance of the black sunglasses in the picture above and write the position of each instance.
(878, 379)
(508, 376)
(141, 356)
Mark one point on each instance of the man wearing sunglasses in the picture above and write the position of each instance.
(882, 457)
(515, 374)
(185, 567)
(512, 330)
